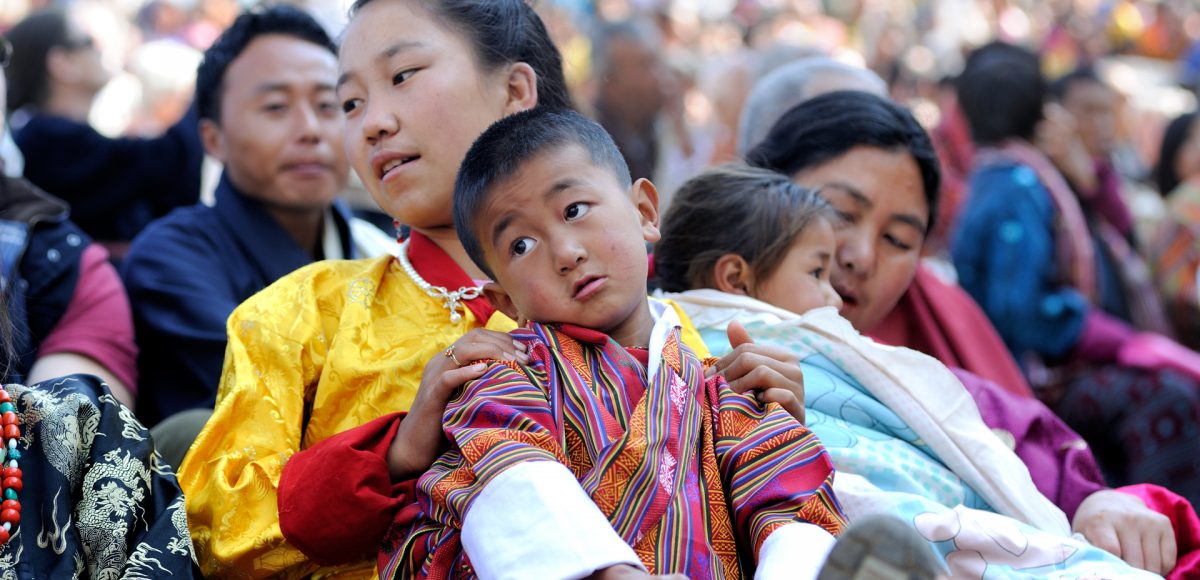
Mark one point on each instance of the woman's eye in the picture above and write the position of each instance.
(893, 240)
(274, 107)
(846, 217)
(576, 210)
(818, 273)
(349, 105)
(522, 246)
(403, 75)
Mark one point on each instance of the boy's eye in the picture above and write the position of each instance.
(349, 105)
(576, 210)
(893, 240)
(522, 246)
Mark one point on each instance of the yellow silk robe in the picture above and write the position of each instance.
(327, 348)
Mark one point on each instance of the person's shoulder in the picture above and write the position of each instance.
(192, 230)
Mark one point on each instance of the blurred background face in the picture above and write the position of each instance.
(635, 84)
(1094, 107)
(280, 130)
(1187, 163)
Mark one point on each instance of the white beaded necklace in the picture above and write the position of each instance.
(452, 301)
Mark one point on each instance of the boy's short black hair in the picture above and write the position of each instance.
(511, 142)
(278, 19)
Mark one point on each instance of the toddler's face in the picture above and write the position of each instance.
(801, 280)
(567, 242)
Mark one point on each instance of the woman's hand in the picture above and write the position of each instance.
(419, 439)
(1121, 524)
(771, 371)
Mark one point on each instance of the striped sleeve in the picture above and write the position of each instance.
(776, 471)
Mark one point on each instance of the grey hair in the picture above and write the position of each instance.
(792, 84)
(634, 29)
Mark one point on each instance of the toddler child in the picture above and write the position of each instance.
(609, 452)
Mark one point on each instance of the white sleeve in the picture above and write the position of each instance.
(533, 520)
(796, 550)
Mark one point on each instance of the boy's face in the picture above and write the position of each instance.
(568, 243)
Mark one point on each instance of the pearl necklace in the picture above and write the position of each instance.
(451, 300)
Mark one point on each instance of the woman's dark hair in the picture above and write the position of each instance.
(733, 209)
(1001, 92)
(1173, 141)
(32, 40)
(503, 32)
(826, 127)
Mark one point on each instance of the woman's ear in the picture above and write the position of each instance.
(645, 198)
(522, 92)
(733, 275)
(502, 301)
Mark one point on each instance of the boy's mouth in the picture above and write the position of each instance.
(588, 286)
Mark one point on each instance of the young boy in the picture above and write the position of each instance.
(609, 452)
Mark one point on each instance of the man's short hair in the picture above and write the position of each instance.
(511, 142)
(279, 19)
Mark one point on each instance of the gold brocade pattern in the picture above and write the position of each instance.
(339, 342)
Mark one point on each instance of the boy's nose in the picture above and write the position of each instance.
(569, 255)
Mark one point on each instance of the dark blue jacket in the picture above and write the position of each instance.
(115, 187)
(185, 274)
(40, 253)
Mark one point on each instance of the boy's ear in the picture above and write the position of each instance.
(502, 301)
(213, 140)
(733, 275)
(645, 199)
(522, 88)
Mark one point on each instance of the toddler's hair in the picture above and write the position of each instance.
(732, 209)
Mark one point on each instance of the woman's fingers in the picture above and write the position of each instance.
(784, 398)
(1131, 547)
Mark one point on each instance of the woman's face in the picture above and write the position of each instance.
(880, 195)
(415, 100)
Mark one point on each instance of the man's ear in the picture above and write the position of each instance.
(733, 275)
(502, 302)
(522, 88)
(645, 199)
(213, 139)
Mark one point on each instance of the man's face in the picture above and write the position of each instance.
(280, 130)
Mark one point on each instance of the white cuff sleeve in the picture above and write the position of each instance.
(533, 520)
(796, 550)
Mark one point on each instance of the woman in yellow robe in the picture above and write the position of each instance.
(339, 343)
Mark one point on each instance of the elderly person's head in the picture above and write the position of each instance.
(792, 84)
(876, 165)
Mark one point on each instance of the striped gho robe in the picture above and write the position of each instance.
(576, 462)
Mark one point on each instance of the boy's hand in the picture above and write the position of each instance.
(627, 572)
(773, 372)
(419, 439)
(1122, 524)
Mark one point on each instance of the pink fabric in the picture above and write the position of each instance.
(1183, 520)
(1154, 351)
(943, 321)
(1102, 337)
(98, 323)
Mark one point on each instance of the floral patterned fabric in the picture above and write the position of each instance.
(97, 500)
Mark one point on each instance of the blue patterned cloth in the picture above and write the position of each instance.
(97, 502)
